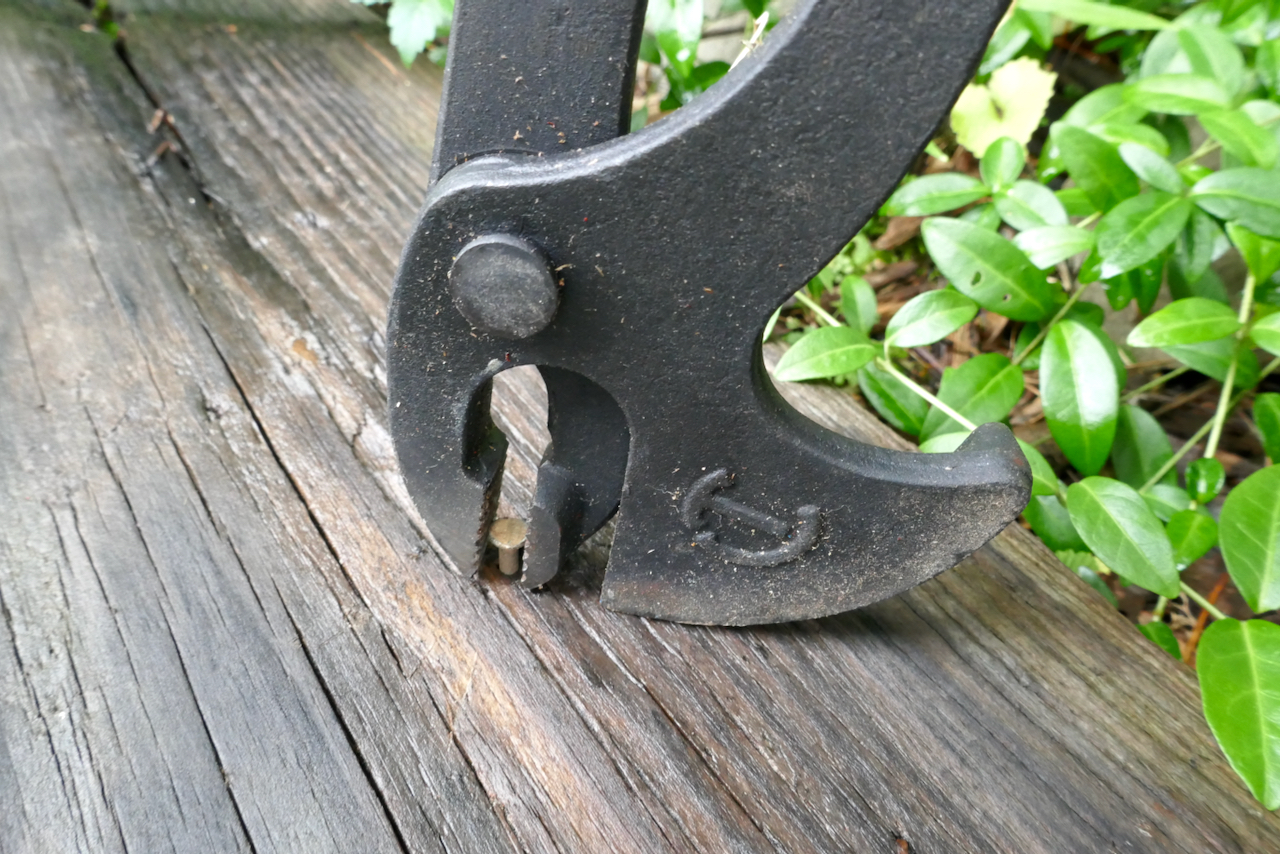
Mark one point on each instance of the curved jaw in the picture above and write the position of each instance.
(884, 523)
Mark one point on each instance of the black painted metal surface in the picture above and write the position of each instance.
(674, 245)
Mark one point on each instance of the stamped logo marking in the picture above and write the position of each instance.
(794, 538)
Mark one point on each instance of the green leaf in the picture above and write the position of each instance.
(1002, 163)
(1152, 168)
(826, 352)
(1095, 166)
(943, 443)
(1146, 280)
(1164, 55)
(1141, 447)
(983, 389)
(1028, 333)
(1192, 534)
(1267, 62)
(1080, 395)
(1185, 321)
(858, 303)
(1250, 537)
(1143, 136)
(1139, 229)
(1261, 256)
(1008, 42)
(988, 269)
(1027, 204)
(1040, 24)
(1166, 500)
(1266, 333)
(1211, 54)
(1213, 358)
(1088, 314)
(1265, 114)
(929, 317)
(1239, 669)
(1178, 94)
(1177, 137)
(1208, 286)
(1249, 196)
(1047, 245)
(1076, 201)
(935, 194)
(894, 401)
(1052, 524)
(984, 216)
(1142, 283)
(1244, 140)
(681, 18)
(1266, 415)
(1162, 636)
(1205, 479)
(415, 23)
(1043, 479)
(1102, 107)
(1104, 16)
(1122, 531)
(1201, 242)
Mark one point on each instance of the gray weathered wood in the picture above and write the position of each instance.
(225, 628)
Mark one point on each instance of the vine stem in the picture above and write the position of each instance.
(1203, 602)
(1039, 339)
(1211, 145)
(889, 368)
(1089, 220)
(1204, 429)
(1182, 452)
(1220, 417)
(823, 315)
(1155, 383)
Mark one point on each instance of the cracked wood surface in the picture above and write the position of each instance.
(225, 629)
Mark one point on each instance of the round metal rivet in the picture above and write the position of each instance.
(503, 286)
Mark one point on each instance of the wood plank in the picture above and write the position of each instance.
(216, 381)
(196, 670)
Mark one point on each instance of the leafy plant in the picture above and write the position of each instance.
(1113, 201)
(672, 35)
(417, 25)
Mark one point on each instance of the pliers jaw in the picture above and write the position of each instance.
(669, 249)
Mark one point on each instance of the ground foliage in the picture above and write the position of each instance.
(1088, 251)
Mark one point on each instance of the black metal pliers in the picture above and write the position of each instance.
(637, 272)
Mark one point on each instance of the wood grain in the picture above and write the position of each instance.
(226, 629)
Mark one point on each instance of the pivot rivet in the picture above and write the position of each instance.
(503, 286)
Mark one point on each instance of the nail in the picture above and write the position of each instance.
(508, 536)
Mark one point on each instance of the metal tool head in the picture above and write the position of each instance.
(670, 249)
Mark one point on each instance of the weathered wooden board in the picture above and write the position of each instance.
(225, 628)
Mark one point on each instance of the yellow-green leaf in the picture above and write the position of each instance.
(1011, 104)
